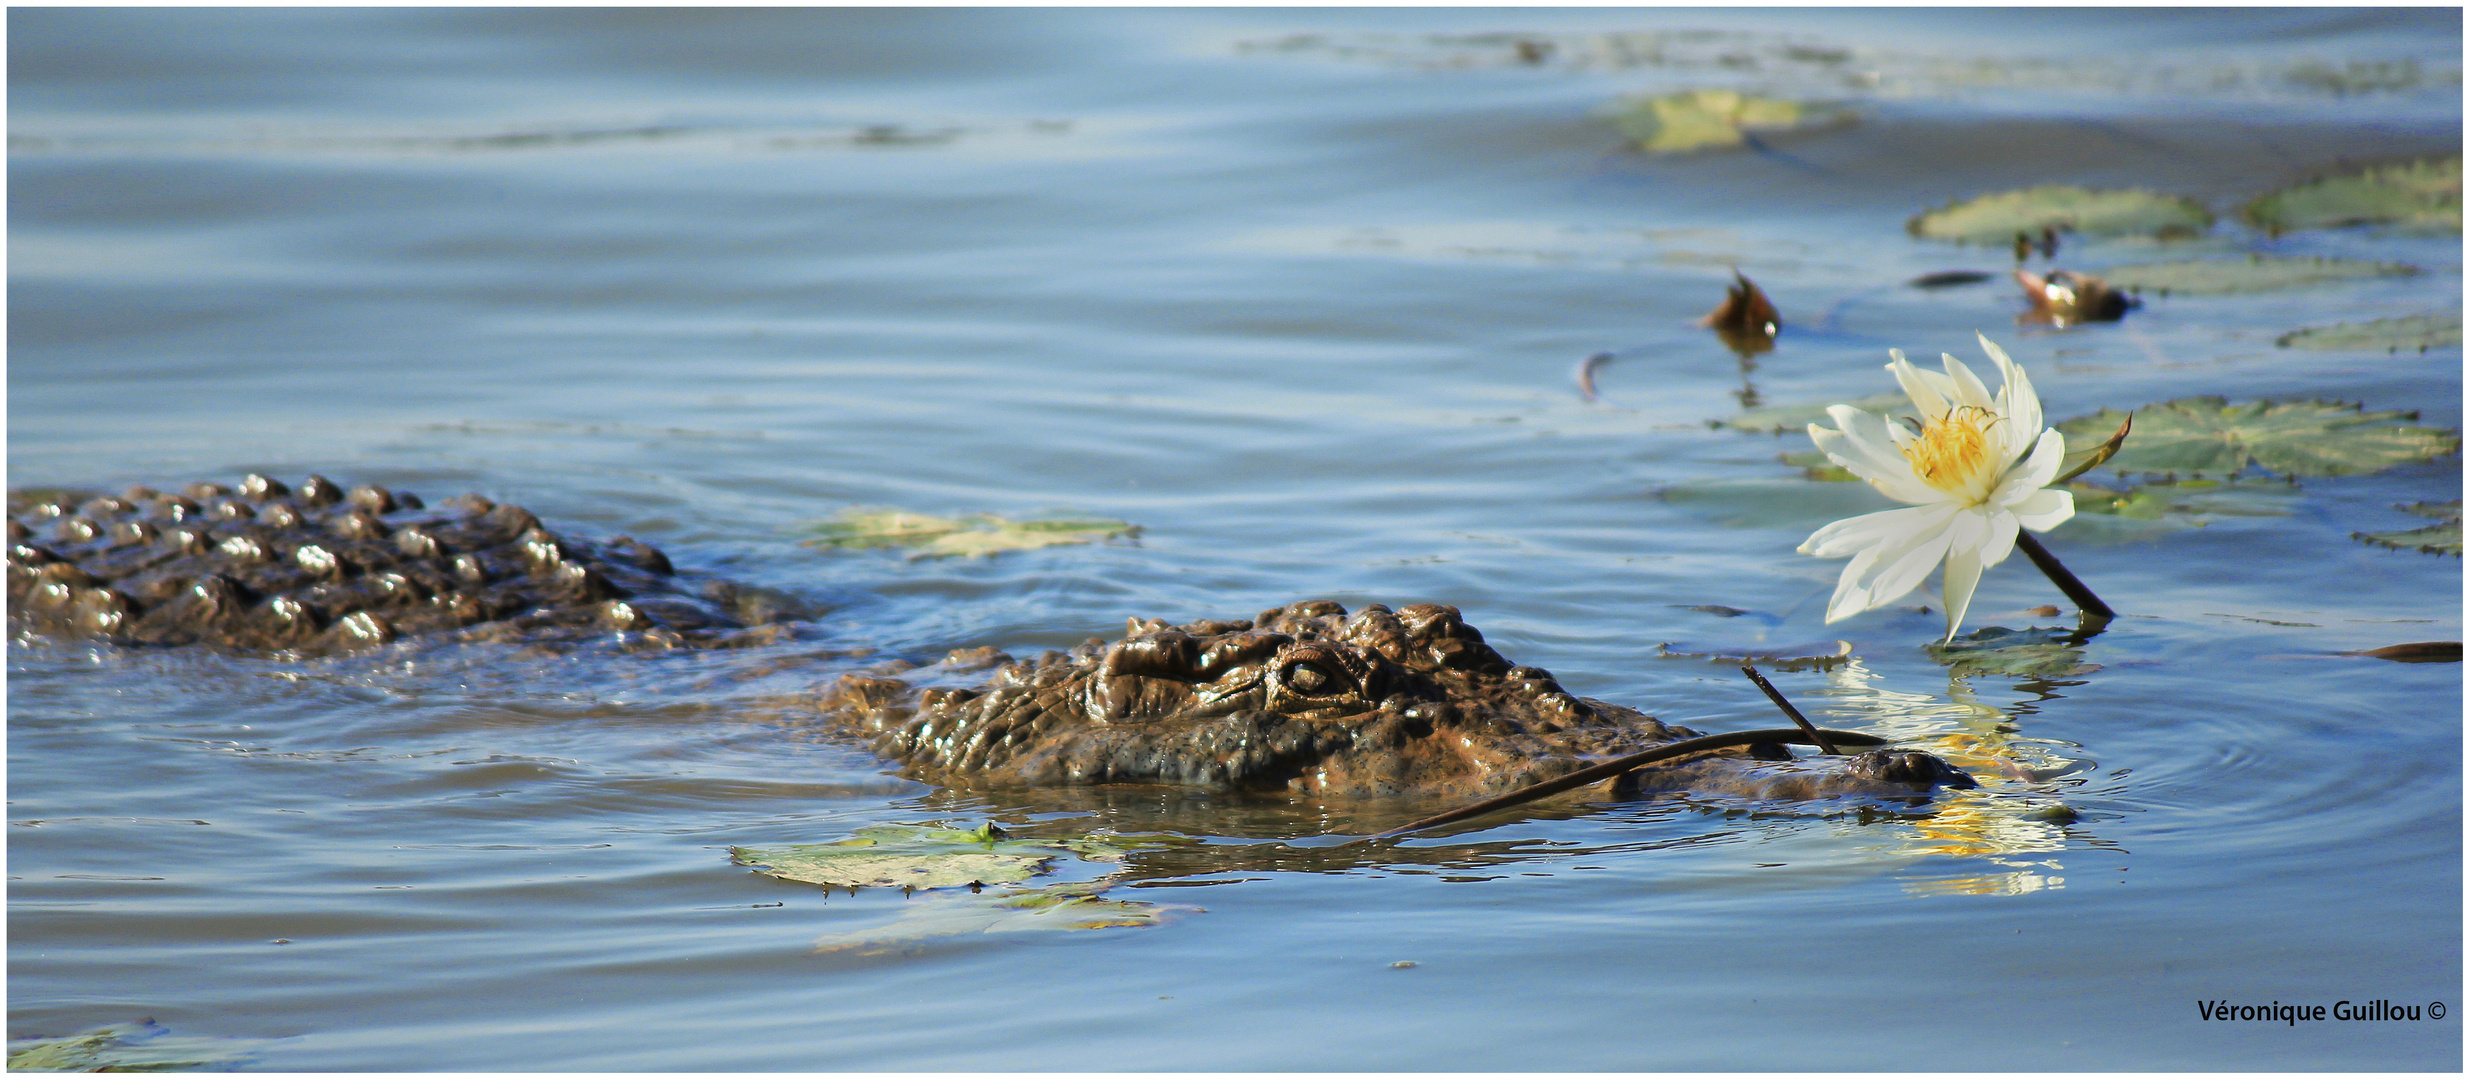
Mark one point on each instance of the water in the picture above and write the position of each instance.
(1299, 293)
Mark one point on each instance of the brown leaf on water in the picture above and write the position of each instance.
(1746, 320)
(2063, 298)
(2416, 652)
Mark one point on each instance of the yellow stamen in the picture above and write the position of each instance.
(1953, 449)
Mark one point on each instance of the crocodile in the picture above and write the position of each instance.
(1305, 698)
(1308, 699)
(316, 569)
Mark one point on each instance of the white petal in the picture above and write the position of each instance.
(1878, 573)
(2049, 452)
(2034, 472)
(1970, 535)
(1837, 539)
(1968, 387)
(1924, 388)
(1997, 355)
(1867, 447)
(1900, 567)
(2043, 510)
(2000, 542)
(2023, 407)
(1963, 575)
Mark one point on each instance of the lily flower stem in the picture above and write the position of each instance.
(1777, 696)
(2058, 575)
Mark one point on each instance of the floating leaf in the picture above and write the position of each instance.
(928, 857)
(2255, 273)
(2142, 512)
(976, 534)
(2142, 503)
(2418, 333)
(2364, 76)
(1998, 218)
(2417, 195)
(2078, 462)
(1057, 907)
(2033, 652)
(1795, 419)
(138, 1047)
(2443, 538)
(2293, 438)
(1702, 119)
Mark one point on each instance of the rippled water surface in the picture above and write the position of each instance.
(1300, 294)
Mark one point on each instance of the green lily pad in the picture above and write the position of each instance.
(1057, 907)
(2033, 653)
(1707, 119)
(2418, 195)
(2151, 503)
(1796, 418)
(1997, 218)
(2442, 538)
(143, 1046)
(2294, 438)
(976, 534)
(2255, 273)
(2185, 503)
(929, 857)
(2417, 333)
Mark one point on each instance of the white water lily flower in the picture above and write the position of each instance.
(1978, 469)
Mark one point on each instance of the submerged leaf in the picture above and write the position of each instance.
(977, 534)
(1702, 119)
(2000, 217)
(2420, 194)
(2033, 652)
(2418, 333)
(2255, 273)
(2293, 438)
(1056, 907)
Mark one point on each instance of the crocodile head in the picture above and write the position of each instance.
(1304, 698)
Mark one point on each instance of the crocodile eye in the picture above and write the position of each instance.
(1315, 680)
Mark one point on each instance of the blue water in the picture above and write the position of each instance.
(1299, 293)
